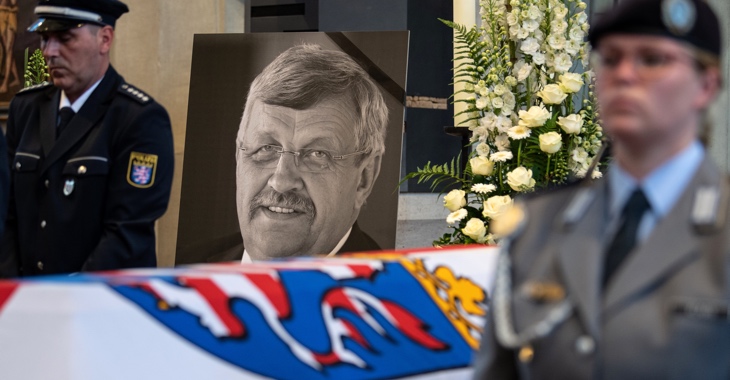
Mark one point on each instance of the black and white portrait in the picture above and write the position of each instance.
(293, 145)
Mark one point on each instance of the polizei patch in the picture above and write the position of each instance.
(142, 168)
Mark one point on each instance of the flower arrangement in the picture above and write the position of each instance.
(35, 68)
(528, 106)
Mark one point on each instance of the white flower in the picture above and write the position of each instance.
(571, 82)
(481, 165)
(483, 188)
(522, 33)
(550, 142)
(556, 41)
(482, 103)
(572, 47)
(520, 179)
(489, 121)
(509, 99)
(530, 25)
(530, 46)
(512, 20)
(496, 205)
(483, 150)
(534, 13)
(456, 216)
(500, 89)
(522, 70)
(502, 142)
(558, 26)
(510, 81)
(497, 102)
(484, 92)
(580, 155)
(501, 156)
(519, 132)
(560, 11)
(551, 94)
(455, 200)
(596, 174)
(576, 33)
(475, 229)
(536, 116)
(504, 123)
(562, 62)
(571, 124)
(538, 58)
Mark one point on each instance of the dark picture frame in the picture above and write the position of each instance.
(223, 66)
(17, 15)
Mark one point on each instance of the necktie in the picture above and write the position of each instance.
(625, 238)
(64, 117)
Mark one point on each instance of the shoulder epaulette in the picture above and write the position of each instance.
(134, 93)
(35, 87)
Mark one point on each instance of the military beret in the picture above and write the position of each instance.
(690, 21)
(58, 15)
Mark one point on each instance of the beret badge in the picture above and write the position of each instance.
(679, 16)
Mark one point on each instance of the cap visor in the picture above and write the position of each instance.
(53, 25)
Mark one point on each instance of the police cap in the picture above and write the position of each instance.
(689, 21)
(58, 15)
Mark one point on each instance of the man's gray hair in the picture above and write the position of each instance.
(305, 75)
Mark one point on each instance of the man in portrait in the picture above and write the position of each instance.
(309, 149)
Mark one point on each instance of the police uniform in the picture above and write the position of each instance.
(87, 199)
(665, 314)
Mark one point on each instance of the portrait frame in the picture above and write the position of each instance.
(223, 66)
(22, 40)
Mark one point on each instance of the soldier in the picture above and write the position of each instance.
(627, 277)
(91, 155)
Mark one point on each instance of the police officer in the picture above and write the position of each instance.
(91, 155)
(627, 277)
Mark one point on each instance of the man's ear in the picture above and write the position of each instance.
(106, 37)
(711, 81)
(368, 174)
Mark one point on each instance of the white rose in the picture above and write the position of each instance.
(552, 94)
(536, 116)
(481, 166)
(479, 133)
(482, 103)
(475, 229)
(520, 179)
(496, 205)
(571, 124)
(455, 200)
(571, 82)
(550, 142)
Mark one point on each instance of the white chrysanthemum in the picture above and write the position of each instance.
(483, 188)
(456, 216)
(502, 156)
(519, 132)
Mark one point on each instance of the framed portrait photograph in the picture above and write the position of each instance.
(293, 145)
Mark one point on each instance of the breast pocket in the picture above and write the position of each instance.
(26, 162)
(84, 174)
(700, 339)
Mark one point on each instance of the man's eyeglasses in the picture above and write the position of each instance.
(309, 160)
(648, 65)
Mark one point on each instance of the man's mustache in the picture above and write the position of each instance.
(269, 197)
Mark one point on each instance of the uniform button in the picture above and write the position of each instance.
(82, 169)
(46, 183)
(18, 165)
(43, 224)
(585, 345)
(40, 265)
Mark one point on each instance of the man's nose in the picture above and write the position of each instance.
(50, 48)
(287, 176)
(626, 70)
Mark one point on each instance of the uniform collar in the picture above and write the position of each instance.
(76, 106)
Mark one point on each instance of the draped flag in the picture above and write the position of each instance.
(403, 314)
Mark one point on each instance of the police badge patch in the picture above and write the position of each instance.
(142, 168)
(679, 16)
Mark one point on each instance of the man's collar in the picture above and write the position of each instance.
(246, 258)
(76, 106)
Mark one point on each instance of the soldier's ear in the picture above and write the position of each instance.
(106, 37)
(368, 174)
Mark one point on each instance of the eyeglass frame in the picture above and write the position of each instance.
(668, 59)
(298, 153)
